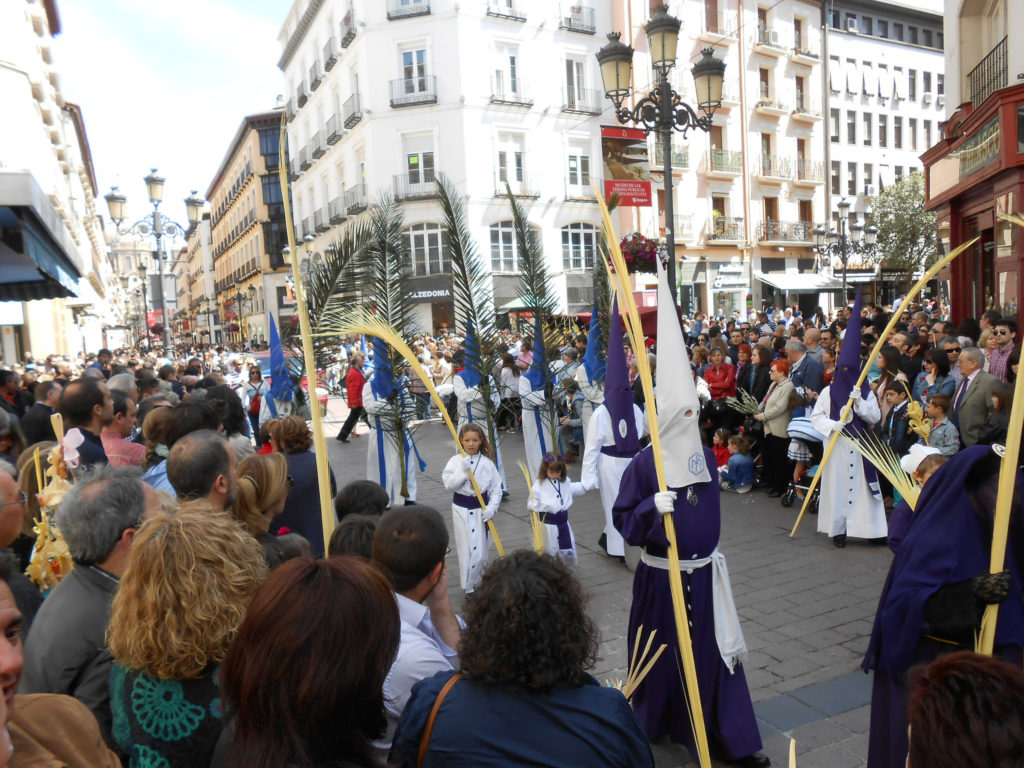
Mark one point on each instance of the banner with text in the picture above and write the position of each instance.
(627, 170)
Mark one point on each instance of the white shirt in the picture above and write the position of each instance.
(421, 654)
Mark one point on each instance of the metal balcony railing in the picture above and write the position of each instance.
(726, 161)
(353, 113)
(314, 76)
(334, 129)
(727, 228)
(316, 144)
(354, 199)
(415, 186)
(401, 9)
(508, 90)
(683, 228)
(802, 46)
(772, 231)
(348, 29)
(768, 37)
(810, 170)
(577, 18)
(330, 54)
(519, 187)
(336, 211)
(775, 166)
(506, 9)
(990, 74)
(584, 100)
(300, 95)
(320, 221)
(304, 159)
(680, 157)
(410, 91)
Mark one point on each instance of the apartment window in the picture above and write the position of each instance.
(427, 249)
(939, 83)
(510, 165)
(897, 31)
(851, 127)
(798, 35)
(912, 130)
(926, 36)
(899, 173)
(912, 35)
(503, 247)
(851, 179)
(912, 84)
(926, 82)
(765, 84)
(867, 129)
(833, 18)
(579, 244)
(800, 90)
(883, 130)
(927, 133)
(897, 132)
(865, 25)
(868, 174)
(574, 82)
(837, 170)
(579, 170)
(883, 28)
(833, 125)
(414, 70)
(272, 195)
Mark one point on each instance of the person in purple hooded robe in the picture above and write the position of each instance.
(937, 589)
(693, 501)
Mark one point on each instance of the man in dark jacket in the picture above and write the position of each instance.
(65, 651)
(86, 405)
(36, 425)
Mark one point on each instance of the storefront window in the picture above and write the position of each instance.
(1008, 292)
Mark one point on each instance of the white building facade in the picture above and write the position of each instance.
(387, 94)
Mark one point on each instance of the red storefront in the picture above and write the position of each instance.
(974, 174)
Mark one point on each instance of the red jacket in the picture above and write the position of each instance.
(354, 383)
(722, 382)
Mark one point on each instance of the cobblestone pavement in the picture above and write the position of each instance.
(806, 607)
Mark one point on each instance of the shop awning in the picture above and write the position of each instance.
(692, 272)
(800, 282)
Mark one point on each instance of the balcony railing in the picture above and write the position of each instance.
(726, 161)
(307, 226)
(520, 187)
(577, 18)
(330, 54)
(320, 221)
(772, 231)
(583, 100)
(334, 130)
(810, 170)
(354, 199)
(680, 158)
(301, 97)
(348, 29)
(316, 144)
(353, 113)
(304, 159)
(314, 76)
(415, 186)
(506, 90)
(335, 211)
(727, 228)
(683, 229)
(769, 38)
(410, 91)
(402, 9)
(506, 9)
(990, 74)
(802, 46)
(775, 166)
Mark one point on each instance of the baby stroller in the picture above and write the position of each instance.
(811, 441)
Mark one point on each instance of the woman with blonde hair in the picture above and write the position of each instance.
(263, 484)
(190, 576)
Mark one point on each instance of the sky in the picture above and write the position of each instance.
(165, 84)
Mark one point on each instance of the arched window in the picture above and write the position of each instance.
(427, 249)
(579, 245)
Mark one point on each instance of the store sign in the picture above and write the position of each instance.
(429, 289)
(627, 170)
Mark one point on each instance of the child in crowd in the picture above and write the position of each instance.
(552, 497)
(920, 463)
(943, 435)
(354, 536)
(738, 476)
(469, 522)
(570, 430)
(720, 446)
(993, 431)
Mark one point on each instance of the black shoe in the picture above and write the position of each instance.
(774, 493)
(409, 503)
(839, 540)
(603, 542)
(756, 760)
(341, 439)
(504, 495)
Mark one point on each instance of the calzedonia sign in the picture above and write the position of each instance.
(429, 289)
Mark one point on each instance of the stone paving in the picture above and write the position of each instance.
(806, 607)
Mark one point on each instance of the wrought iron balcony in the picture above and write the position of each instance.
(519, 187)
(506, 9)
(810, 171)
(334, 130)
(803, 52)
(307, 227)
(412, 91)
(683, 229)
(330, 54)
(727, 228)
(506, 90)
(990, 75)
(578, 18)
(354, 199)
(336, 211)
(352, 111)
(316, 144)
(774, 167)
(348, 29)
(419, 185)
(582, 100)
(301, 97)
(304, 159)
(320, 221)
(314, 76)
(403, 9)
(772, 231)
(680, 158)
(725, 161)
(768, 42)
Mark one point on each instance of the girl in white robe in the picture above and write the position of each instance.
(552, 496)
(472, 410)
(382, 452)
(469, 522)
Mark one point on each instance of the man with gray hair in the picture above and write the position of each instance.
(203, 466)
(65, 651)
(973, 397)
(124, 382)
(805, 372)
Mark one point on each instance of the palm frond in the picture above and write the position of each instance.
(870, 446)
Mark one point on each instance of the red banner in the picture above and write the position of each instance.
(627, 170)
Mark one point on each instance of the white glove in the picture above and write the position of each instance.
(664, 502)
(855, 395)
(468, 465)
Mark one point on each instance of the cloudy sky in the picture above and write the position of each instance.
(165, 84)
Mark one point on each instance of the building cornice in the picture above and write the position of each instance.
(299, 34)
(250, 122)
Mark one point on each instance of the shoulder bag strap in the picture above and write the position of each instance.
(425, 740)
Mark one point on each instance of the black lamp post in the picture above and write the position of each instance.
(662, 111)
(144, 278)
(841, 244)
(157, 225)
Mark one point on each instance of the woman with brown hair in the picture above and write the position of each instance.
(301, 513)
(181, 599)
(776, 409)
(891, 376)
(312, 695)
(263, 484)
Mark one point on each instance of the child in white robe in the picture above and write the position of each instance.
(552, 496)
(469, 522)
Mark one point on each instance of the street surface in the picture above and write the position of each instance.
(806, 606)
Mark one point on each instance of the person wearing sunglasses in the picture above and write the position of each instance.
(1005, 335)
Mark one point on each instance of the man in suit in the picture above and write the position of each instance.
(973, 397)
(804, 371)
(36, 424)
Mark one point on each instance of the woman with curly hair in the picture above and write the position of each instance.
(190, 576)
(312, 695)
(263, 483)
(524, 685)
(301, 514)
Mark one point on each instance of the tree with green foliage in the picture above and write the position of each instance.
(906, 231)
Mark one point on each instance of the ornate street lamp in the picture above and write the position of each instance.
(840, 244)
(662, 111)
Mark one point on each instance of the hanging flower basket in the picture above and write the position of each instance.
(233, 328)
(156, 329)
(639, 252)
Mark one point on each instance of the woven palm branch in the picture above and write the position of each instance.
(536, 294)
(471, 293)
(744, 402)
(870, 446)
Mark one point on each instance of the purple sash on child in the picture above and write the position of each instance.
(561, 521)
